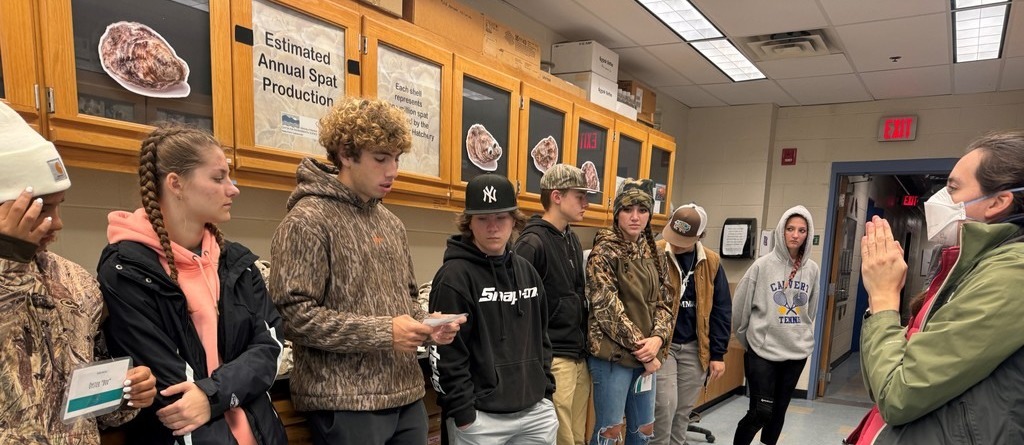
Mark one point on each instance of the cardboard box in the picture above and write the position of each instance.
(393, 7)
(648, 100)
(599, 90)
(508, 44)
(586, 55)
(449, 19)
(625, 110)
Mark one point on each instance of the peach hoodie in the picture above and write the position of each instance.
(197, 277)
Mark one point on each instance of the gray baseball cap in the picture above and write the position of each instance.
(565, 176)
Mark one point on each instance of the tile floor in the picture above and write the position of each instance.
(825, 421)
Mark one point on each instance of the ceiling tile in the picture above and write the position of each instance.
(806, 66)
(753, 92)
(919, 41)
(644, 65)
(632, 20)
(692, 96)
(1015, 32)
(754, 17)
(1013, 75)
(687, 61)
(844, 12)
(826, 89)
(976, 77)
(912, 82)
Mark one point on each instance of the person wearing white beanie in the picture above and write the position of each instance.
(51, 307)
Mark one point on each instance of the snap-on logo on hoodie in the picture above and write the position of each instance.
(789, 309)
(511, 297)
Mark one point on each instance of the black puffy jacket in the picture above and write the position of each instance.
(149, 321)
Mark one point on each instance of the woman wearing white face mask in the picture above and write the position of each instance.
(955, 374)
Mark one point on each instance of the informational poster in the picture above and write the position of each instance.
(590, 157)
(298, 73)
(485, 119)
(414, 85)
(545, 142)
(734, 237)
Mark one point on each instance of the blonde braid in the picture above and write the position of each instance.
(150, 199)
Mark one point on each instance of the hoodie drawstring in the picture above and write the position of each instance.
(202, 271)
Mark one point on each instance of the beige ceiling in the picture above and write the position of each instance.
(863, 35)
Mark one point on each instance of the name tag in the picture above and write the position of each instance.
(96, 389)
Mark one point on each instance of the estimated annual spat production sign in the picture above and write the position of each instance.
(298, 74)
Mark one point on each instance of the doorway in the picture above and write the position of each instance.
(895, 190)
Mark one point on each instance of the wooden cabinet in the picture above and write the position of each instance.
(731, 380)
(19, 66)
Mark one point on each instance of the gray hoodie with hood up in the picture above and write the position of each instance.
(773, 316)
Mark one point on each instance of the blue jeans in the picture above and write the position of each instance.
(619, 390)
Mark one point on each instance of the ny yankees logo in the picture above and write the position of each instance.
(490, 194)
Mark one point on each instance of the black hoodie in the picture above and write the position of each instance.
(558, 258)
(500, 362)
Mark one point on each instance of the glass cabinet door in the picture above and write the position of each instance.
(415, 76)
(543, 131)
(661, 164)
(18, 60)
(115, 67)
(485, 124)
(592, 154)
(289, 67)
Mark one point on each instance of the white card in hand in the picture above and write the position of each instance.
(443, 319)
(96, 389)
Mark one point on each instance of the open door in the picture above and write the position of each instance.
(839, 277)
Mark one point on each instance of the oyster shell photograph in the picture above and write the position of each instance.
(545, 154)
(481, 148)
(142, 61)
(590, 172)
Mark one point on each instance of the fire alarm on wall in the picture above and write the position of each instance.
(789, 156)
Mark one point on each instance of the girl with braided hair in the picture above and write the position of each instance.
(189, 304)
(630, 318)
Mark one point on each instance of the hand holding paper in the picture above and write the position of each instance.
(446, 326)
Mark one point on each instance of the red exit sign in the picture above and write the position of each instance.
(897, 128)
(909, 201)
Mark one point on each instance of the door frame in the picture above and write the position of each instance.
(890, 167)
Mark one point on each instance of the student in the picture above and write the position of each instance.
(342, 277)
(953, 376)
(774, 316)
(189, 304)
(494, 381)
(550, 245)
(702, 317)
(630, 318)
(45, 297)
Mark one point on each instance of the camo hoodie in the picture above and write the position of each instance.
(629, 300)
(340, 271)
(50, 311)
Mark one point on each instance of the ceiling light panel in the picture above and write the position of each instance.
(978, 32)
(727, 58)
(961, 4)
(683, 18)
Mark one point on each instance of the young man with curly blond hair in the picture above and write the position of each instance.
(342, 278)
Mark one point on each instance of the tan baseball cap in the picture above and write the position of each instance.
(685, 226)
(565, 176)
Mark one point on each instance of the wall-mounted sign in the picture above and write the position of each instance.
(414, 85)
(298, 71)
(910, 200)
(789, 156)
(897, 128)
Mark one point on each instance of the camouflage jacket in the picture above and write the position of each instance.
(50, 311)
(629, 298)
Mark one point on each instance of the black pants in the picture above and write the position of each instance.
(405, 425)
(771, 388)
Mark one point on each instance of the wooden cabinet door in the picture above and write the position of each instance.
(545, 129)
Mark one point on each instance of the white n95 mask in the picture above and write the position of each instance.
(943, 216)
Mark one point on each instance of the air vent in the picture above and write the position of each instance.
(788, 45)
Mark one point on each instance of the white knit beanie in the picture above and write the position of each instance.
(26, 159)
